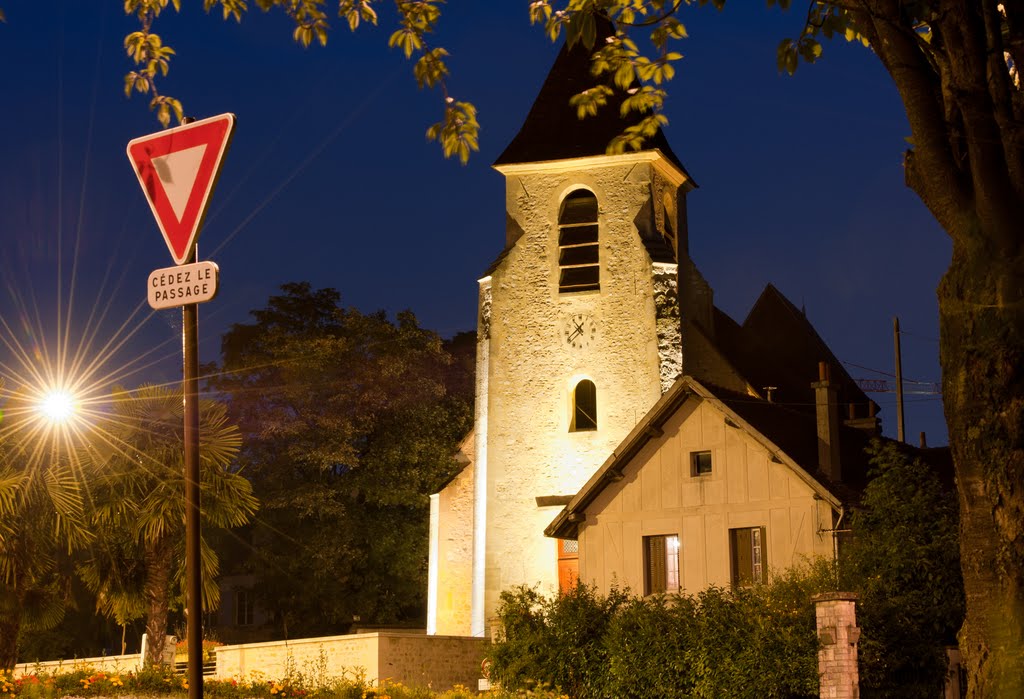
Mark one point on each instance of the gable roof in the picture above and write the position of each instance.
(790, 436)
(778, 346)
(552, 131)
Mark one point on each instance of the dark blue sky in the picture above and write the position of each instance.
(330, 179)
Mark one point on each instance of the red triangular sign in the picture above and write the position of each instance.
(178, 169)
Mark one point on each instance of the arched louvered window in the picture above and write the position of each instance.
(584, 407)
(578, 266)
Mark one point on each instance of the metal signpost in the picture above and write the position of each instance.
(178, 169)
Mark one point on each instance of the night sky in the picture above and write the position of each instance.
(330, 180)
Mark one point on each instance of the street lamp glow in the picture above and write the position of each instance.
(57, 406)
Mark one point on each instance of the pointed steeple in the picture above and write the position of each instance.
(552, 130)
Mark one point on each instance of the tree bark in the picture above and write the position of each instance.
(159, 562)
(981, 307)
(9, 629)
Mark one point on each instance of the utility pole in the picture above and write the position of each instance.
(899, 378)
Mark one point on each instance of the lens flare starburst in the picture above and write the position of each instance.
(58, 405)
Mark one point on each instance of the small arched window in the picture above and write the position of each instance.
(584, 407)
(578, 266)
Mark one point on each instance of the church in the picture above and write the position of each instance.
(628, 432)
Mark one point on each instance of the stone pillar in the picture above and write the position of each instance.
(837, 635)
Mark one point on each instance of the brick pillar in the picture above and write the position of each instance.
(838, 635)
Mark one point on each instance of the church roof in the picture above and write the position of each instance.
(552, 131)
(778, 346)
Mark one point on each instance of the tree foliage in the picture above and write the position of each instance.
(136, 567)
(42, 522)
(349, 426)
(904, 562)
(756, 642)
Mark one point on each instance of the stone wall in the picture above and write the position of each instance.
(533, 368)
(838, 636)
(415, 659)
(107, 663)
(451, 564)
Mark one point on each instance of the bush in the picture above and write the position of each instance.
(757, 642)
(556, 643)
(904, 561)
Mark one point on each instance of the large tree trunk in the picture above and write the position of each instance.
(9, 629)
(981, 307)
(159, 564)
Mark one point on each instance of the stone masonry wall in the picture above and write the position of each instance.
(533, 370)
(414, 659)
(838, 635)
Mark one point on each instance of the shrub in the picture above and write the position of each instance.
(555, 642)
(756, 642)
(904, 561)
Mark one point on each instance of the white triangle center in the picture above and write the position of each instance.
(177, 172)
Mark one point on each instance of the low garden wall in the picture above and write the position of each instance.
(106, 663)
(412, 658)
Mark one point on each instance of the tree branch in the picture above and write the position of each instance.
(936, 175)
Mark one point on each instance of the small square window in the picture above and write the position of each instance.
(700, 463)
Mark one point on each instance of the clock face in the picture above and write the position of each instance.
(579, 330)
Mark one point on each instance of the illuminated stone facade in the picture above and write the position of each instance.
(551, 351)
(531, 356)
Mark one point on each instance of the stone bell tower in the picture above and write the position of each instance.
(578, 327)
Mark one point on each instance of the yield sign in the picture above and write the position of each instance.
(178, 169)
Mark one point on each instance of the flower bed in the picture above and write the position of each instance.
(85, 682)
(181, 651)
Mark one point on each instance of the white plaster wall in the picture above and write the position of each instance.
(532, 369)
(657, 495)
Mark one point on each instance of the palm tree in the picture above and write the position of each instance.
(42, 522)
(137, 563)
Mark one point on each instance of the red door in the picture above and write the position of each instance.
(568, 564)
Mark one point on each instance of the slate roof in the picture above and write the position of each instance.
(778, 346)
(795, 432)
(552, 131)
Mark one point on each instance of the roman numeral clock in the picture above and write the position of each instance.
(579, 330)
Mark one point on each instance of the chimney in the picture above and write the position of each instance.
(827, 409)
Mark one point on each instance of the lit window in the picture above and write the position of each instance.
(584, 407)
(700, 463)
(749, 557)
(661, 564)
(577, 243)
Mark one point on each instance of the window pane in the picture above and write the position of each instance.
(585, 406)
(580, 255)
(756, 567)
(671, 563)
(701, 463)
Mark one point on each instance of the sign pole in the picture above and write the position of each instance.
(193, 572)
(178, 169)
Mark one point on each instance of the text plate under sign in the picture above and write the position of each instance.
(183, 285)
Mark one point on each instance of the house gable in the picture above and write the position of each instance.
(656, 492)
